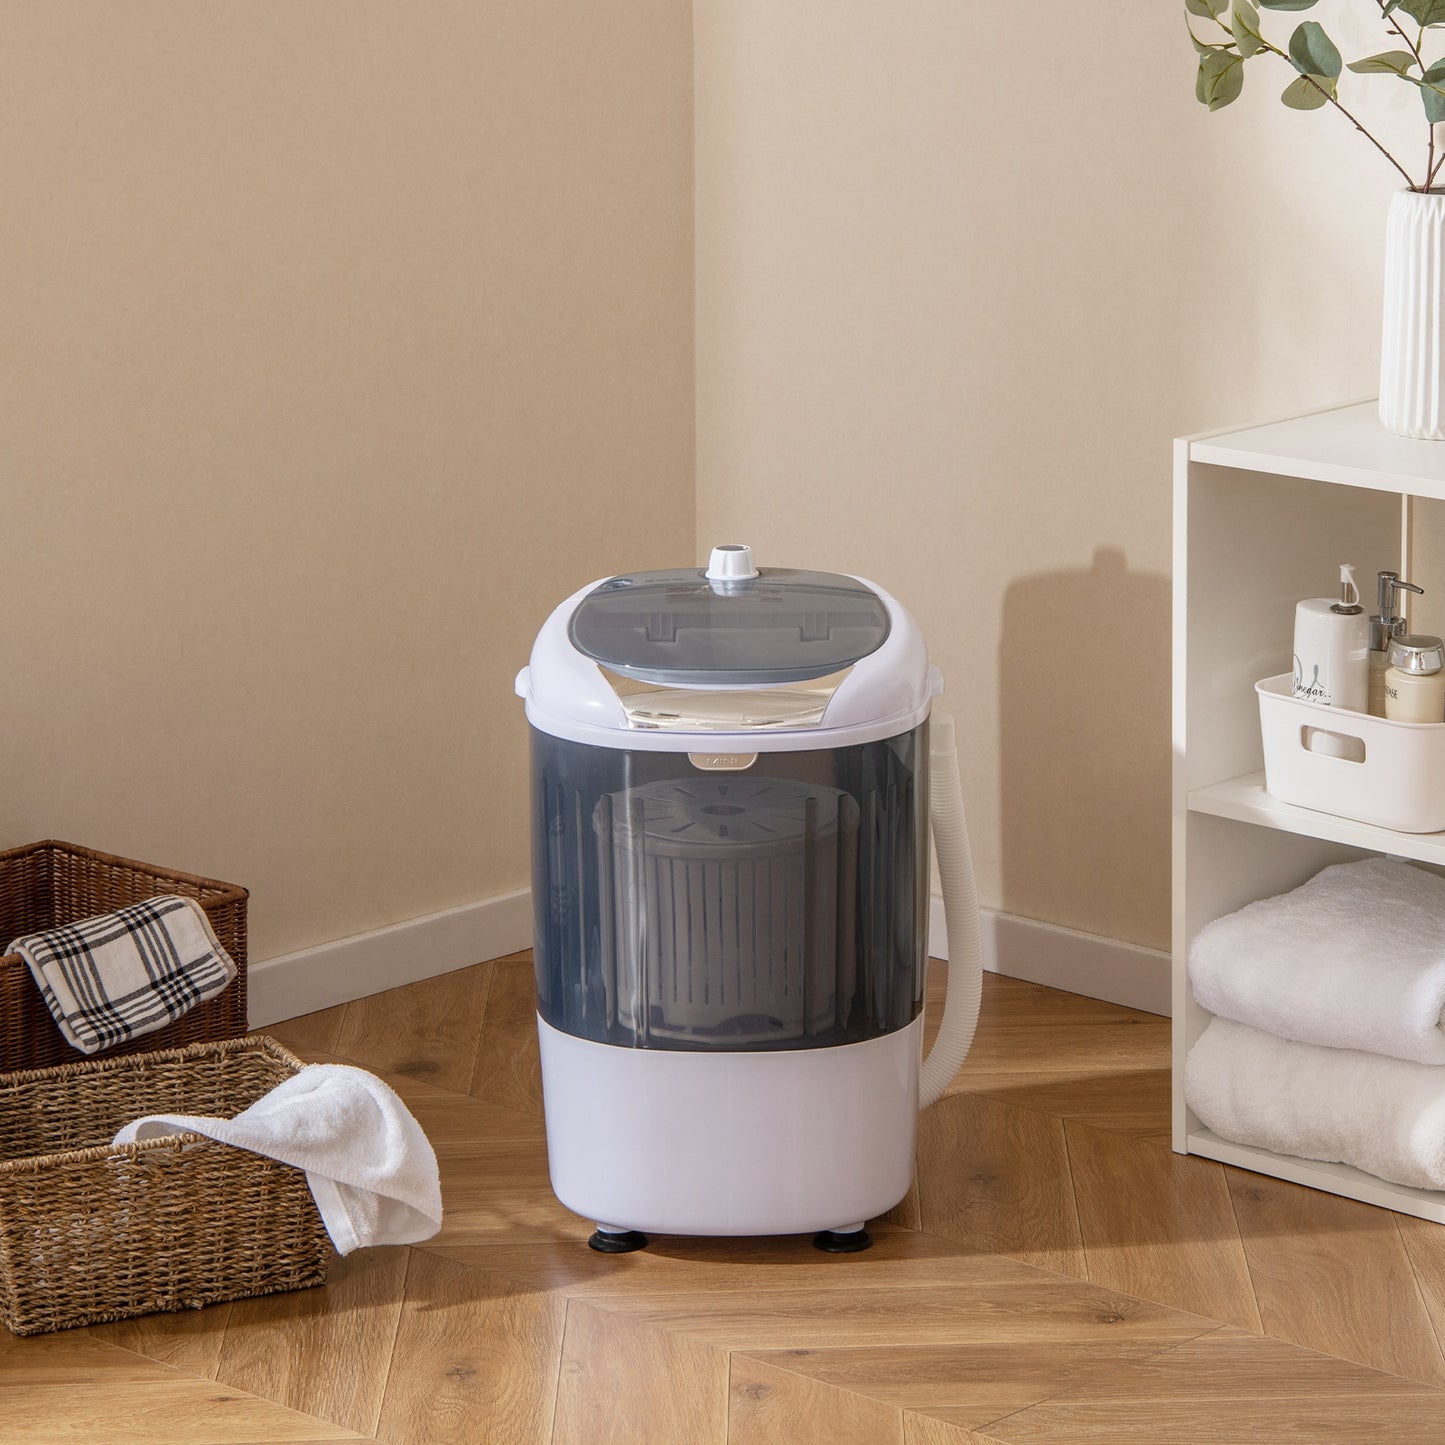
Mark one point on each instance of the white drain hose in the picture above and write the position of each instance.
(960, 915)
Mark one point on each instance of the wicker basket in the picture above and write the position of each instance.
(91, 1232)
(47, 885)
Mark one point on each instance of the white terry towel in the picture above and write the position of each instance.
(1385, 1116)
(372, 1172)
(1354, 959)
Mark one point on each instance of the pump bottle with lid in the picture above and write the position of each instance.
(1385, 626)
(1331, 648)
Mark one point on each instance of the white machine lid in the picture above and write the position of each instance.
(775, 659)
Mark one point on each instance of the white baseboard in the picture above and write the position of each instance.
(366, 963)
(1044, 953)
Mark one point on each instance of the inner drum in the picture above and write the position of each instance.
(728, 908)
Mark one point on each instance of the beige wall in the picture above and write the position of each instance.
(338, 342)
(963, 271)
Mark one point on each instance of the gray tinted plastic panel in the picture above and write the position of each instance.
(677, 627)
(782, 907)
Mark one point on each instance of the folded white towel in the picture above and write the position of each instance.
(372, 1172)
(1354, 959)
(1385, 1116)
(123, 974)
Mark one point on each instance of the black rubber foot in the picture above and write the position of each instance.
(833, 1243)
(617, 1243)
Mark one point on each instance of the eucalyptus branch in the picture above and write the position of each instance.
(1334, 100)
(1393, 29)
(1317, 64)
(1409, 180)
(1416, 48)
(1432, 165)
(1434, 169)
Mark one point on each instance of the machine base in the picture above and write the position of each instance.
(715, 1143)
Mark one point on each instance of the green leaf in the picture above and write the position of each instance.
(1425, 12)
(1244, 25)
(1388, 62)
(1313, 52)
(1286, 4)
(1221, 78)
(1432, 91)
(1299, 94)
(1209, 9)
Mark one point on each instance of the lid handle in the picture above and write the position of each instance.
(731, 562)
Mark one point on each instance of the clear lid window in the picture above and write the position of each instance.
(677, 627)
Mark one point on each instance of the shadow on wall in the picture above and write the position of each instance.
(1084, 693)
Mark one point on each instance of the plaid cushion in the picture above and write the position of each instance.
(123, 974)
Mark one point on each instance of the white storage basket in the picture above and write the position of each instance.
(1351, 764)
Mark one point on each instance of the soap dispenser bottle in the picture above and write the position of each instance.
(1385, 626)
(1331, 648)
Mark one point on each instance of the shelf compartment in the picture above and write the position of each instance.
(1345, 445)
(1261, 514)
(1244, 800)
(1334, 1178)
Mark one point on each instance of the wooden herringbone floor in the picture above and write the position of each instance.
(1057, 1276)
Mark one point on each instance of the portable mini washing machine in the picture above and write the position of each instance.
(730, 804)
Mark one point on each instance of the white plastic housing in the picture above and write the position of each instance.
(707, 1143)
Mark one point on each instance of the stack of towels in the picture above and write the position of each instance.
(1328, 1038)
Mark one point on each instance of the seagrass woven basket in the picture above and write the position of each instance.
(92, 1232)
(50, 884)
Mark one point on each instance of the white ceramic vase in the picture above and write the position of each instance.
(1412, 344)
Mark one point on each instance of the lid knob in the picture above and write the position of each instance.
(731, 563)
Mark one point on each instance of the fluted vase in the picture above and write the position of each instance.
(1412, 344)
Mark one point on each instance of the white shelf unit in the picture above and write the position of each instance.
(1263, 516)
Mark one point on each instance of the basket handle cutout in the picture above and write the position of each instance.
(1326, 744)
